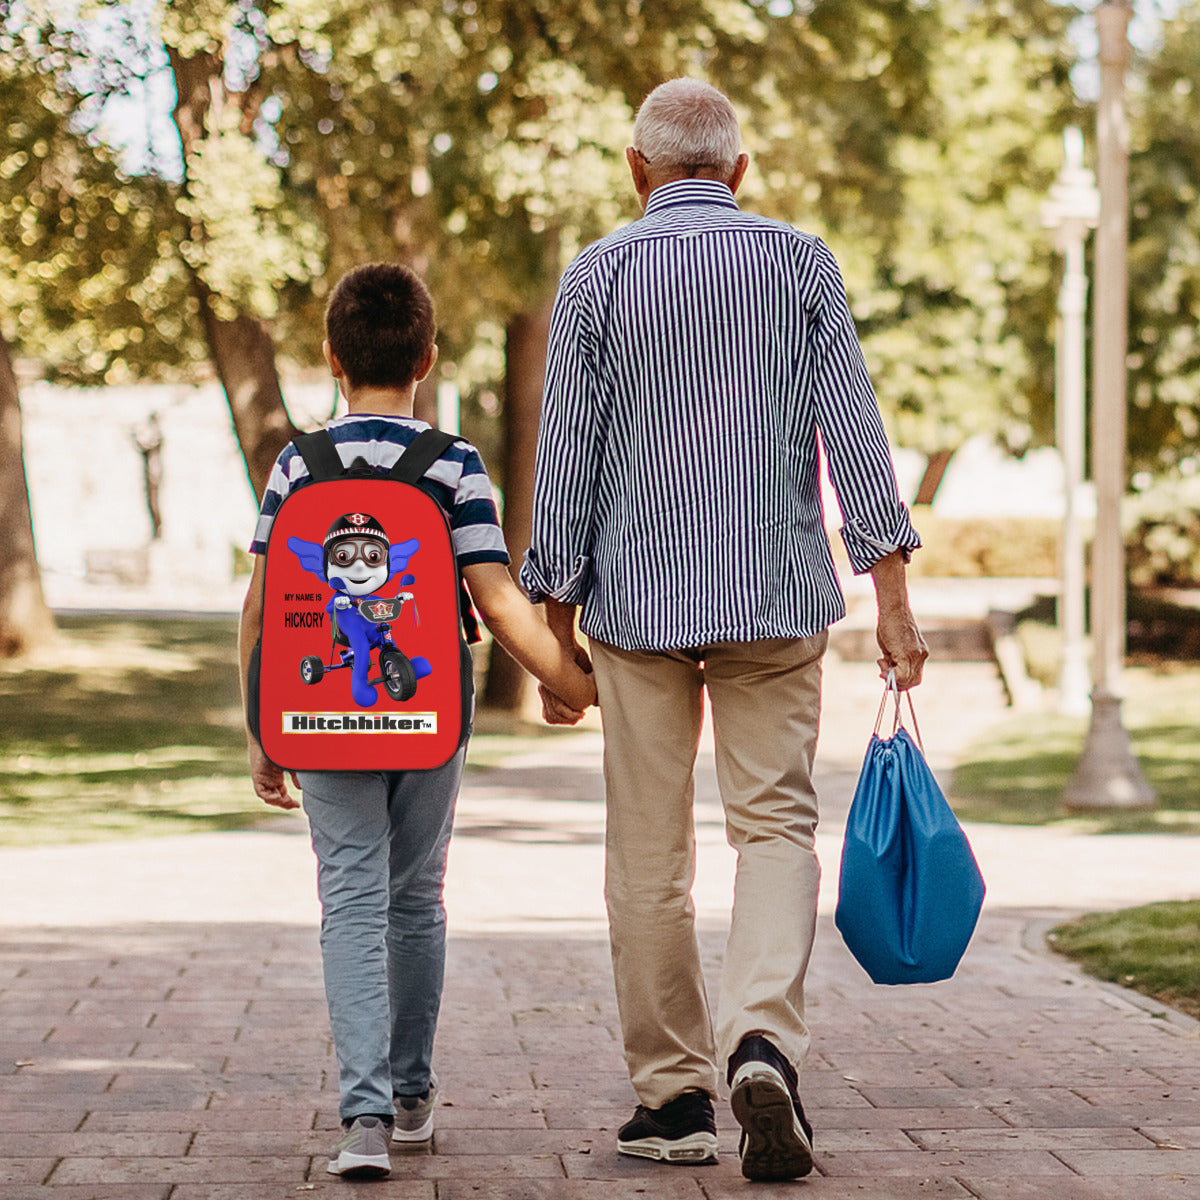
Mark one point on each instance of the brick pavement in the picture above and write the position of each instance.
(147, 1055)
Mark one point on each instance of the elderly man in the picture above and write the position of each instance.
(699, 358)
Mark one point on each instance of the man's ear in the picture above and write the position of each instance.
(739, 172)
(637, 168)
(426, 365)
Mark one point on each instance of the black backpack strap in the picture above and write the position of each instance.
(467, 611)
(320, 455)
(425, 449)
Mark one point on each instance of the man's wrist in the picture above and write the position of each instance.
(561, 619)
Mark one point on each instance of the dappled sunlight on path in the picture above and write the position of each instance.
(165, 1037)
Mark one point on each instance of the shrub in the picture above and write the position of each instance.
(974, 548)
(1162, 533)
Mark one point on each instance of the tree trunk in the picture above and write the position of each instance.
(935, 468)
(25, 621)
(241, 350)
(244, 357)
(526, 340)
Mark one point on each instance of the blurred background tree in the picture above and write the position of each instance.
(90, 288)
(1164, 248)
(482, 142)
(962, 296)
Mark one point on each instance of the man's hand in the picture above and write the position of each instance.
(269, 783)
(904, 649)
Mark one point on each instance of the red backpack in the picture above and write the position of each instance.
(363, 661)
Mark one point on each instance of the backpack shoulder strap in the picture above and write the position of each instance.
(425, 449)
(320, 455)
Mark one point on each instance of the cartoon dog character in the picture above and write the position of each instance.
(356, 559)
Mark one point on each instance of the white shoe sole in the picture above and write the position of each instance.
(776, 1147)
(360, 1166)
(695, 1148)
(421, 1134)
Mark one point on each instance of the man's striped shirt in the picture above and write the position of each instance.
(699, 358)
(458, 481)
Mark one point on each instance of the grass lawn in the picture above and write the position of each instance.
(133, 726)
(129, 726)
(1154, 949)
(1016, 772)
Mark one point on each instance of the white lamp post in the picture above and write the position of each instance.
(1107, 775)
(1071, 211)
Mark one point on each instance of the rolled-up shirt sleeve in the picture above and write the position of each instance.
(558, 561)
(875, 520)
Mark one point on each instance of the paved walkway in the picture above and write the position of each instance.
(163, 1032)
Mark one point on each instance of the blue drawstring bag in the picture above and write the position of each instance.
(909, 891)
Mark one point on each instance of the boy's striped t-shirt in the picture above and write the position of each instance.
(458, 481)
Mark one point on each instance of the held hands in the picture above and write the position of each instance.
(567, 710)
(557, 710)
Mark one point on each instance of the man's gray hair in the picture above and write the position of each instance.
(685, 124)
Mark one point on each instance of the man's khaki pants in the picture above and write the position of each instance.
(765, 699)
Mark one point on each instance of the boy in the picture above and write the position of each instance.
(381, 837)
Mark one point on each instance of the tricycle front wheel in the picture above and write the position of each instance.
(311, 669)
(399, 678)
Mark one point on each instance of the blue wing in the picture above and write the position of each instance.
(399, 554)
(310, 554)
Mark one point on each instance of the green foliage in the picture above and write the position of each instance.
(1164, 248)
(483, 143)
(1162, 533)
(957, 314)
(90, 283)
(247, 242)
(1154, 949)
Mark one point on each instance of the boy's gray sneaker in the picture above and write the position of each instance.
(414, 1116)
(362, 1150)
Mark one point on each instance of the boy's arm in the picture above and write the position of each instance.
(519, 628)
(268, 780)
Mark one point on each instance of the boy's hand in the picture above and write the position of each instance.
(269, 783)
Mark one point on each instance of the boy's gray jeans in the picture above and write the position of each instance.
(380, 839)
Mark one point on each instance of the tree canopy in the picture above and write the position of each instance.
(1164, 248)
(91, 286)
(483, 143)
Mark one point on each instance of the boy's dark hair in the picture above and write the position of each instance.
(380, 324)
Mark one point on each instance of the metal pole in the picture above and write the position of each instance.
(1107, 775)
(1072, 308)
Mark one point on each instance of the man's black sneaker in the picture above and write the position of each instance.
(776, 1136)
(682, 1131)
